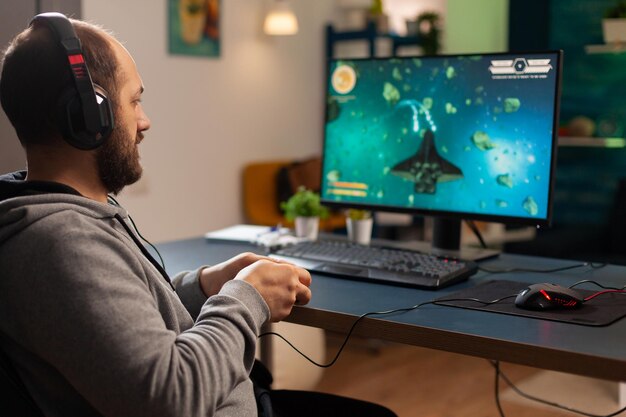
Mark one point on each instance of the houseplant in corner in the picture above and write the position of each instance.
(305, 209)
(376, 14)
(614, 23)
(427, 28)
(359, 224)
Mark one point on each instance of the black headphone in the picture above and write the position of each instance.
(84, 114)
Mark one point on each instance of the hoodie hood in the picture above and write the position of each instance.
(14, 184)
(22, 203)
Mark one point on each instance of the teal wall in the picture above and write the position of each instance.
(476, 26)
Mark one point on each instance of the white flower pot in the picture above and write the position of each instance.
(307, 227)
(614, 30)
(360, 231)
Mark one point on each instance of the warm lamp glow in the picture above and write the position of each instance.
(281, 20)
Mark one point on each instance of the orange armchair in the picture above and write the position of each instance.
(260, 197)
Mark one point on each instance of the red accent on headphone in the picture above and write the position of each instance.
(80, 71)
(76, 59)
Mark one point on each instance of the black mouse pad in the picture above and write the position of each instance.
(599, 311)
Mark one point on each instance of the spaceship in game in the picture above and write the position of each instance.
(426, 168)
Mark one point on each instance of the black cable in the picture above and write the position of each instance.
(487, 303)
(564, 268)
(497, 389)
(138, 232)
(377, 313)
(500, 374)
(113, 200)
(585, 281)
(477, 233)
(148, 242)
(144, 251)
(496, 364)
(345, 341)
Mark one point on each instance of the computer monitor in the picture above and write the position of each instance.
(450, 136)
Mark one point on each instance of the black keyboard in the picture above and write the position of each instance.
(378, 263)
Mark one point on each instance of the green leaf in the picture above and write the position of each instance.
(304, 203)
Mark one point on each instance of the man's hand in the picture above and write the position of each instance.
(280, 284)
(213, 278)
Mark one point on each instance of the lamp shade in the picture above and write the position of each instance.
(280, 19)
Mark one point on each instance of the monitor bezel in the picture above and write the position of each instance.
(494, 218)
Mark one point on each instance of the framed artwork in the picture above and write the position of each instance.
(194, 27)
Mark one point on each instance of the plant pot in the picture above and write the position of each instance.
(307, 227)
(381, 21)
(412, 27)
(360, 231)
(614, 30)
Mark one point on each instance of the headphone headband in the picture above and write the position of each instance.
(86, 118)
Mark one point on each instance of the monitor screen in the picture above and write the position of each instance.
(466, 136)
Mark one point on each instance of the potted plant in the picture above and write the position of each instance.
(428, 30)
(359, 224)
(305, 209)
(614, 23)
(376, 14)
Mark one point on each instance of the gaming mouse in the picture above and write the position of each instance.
(548, 297)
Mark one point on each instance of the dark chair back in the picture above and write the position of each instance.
(14, 397)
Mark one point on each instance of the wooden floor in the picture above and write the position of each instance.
(421, 382)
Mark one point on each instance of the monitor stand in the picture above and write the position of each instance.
(447, 242)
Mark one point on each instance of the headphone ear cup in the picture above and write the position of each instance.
(71, 120)
(69, 117)
(105, 110)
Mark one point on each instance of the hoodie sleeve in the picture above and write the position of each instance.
(188, 288)
(88, 301)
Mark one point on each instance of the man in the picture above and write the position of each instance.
(90, 322)
(87, 317)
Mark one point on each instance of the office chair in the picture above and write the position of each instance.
(260, 193)
(292, 403)
(15, 400)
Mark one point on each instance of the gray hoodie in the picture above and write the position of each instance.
(94, 328)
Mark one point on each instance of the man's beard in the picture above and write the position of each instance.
(118, 161)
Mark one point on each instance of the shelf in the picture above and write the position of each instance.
(369, 34)
(586, 142)
(608, 48)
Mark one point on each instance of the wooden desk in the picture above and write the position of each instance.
(598, 352)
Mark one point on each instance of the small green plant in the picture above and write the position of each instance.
(617, 12)
(376, 9)
(357, 214)
(304, 203)
(428, 29)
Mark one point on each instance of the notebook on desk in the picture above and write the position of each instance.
(388, 265)
(269, 237)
